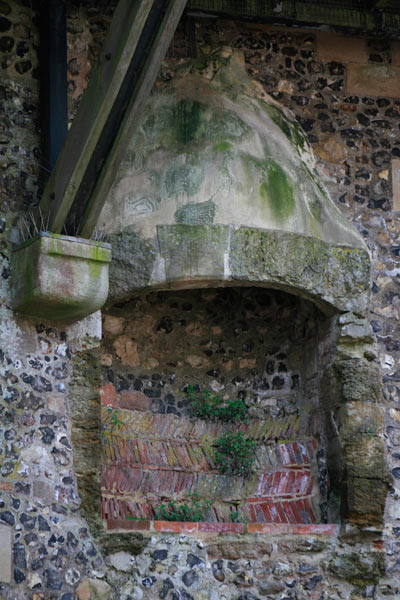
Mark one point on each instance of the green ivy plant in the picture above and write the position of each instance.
(114, 418)
(195, 508)
(211, 407)
(235, 454)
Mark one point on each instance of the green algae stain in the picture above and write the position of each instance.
(187, 120)
(279, 119)
(292, 130)
(222, 147)
(264, 192)
(279, 191)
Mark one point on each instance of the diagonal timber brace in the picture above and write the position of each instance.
(138, 39)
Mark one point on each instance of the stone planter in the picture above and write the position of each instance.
(57, 277)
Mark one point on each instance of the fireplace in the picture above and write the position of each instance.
(234, 273)
(256, 344)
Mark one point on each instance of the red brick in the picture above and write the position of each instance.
(297, 453)
(108, 395)
(275, 514)
(290, 481)
(303, 483)
(134, 401)
(252, 513)
(303, 451)
(275, 484)
(269, 528)
(315, 529)
(260, 515)
(281, 511)
(140, 448)
(309, 509)
(131, 525)
(297, 483)
(295, 510)
(175, 526)
(285, 454)
(6, 486)
(267, 512)
(220, 527)
(287, 507)
(310, 484)
(283, 483)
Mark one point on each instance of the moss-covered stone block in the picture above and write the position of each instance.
(358, 419)
(131, 266)
(359, 568)
(59, 277)
(328, 274)
(364, 457)
(357, 380)
(365, 502)
(193, 252)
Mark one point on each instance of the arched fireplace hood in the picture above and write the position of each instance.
(219, 187)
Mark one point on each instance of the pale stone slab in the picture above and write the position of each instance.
(396, 183)
(93, 589)
(5, 554)
(373, 80)
(341, 48)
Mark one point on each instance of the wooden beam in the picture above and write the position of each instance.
(386, 4)
(106, 81)
(53, 88)
(129, 124)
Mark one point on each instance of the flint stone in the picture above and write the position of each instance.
(269, 587)
(121, 561)
(93, 589)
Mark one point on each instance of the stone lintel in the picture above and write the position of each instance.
(336, 278)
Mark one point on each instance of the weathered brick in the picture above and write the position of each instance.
(341, 48)
(134, 401)
(396, 182)
(108, 395)
(373, 80)
(268, 528)
(175, 527)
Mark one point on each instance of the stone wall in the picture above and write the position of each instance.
(333, 84)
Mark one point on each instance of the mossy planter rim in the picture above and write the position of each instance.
(58, 277)
(62, 237)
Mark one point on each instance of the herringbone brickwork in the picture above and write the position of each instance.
(151, 458)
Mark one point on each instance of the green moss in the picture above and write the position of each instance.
(187, 119)
(291, 129)
(222, 147)
(279, 191)
(279, 119)
(264, 192)
(298, 135)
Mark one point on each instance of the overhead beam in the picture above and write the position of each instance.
(309, 13)
(53, 88)
(110, 78)
(130, 122)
